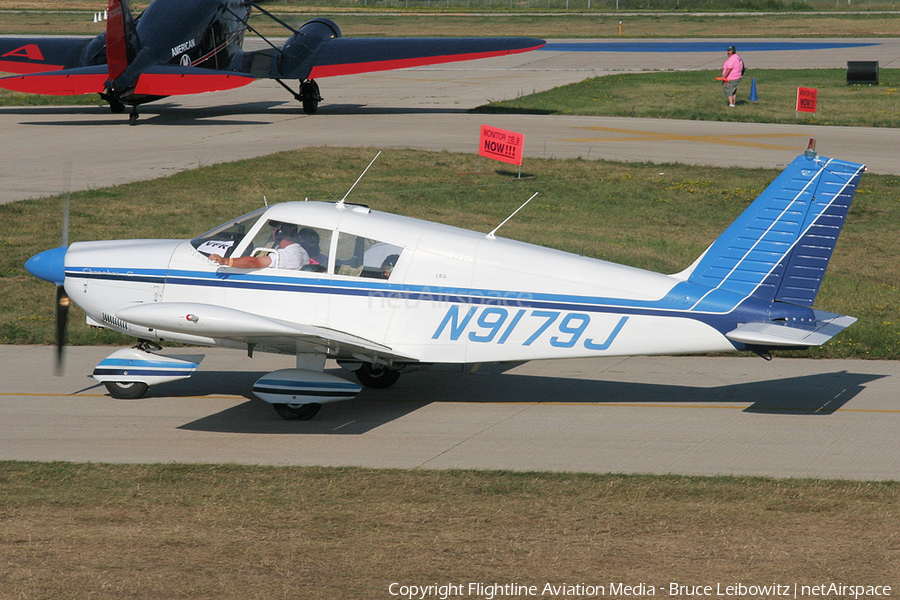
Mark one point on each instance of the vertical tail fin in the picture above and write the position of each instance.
(119, 37)
(779, 248)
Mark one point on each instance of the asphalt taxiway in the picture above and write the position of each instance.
(785, 418)
(685, 415)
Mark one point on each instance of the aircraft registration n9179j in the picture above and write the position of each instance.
(193, 46)
(383, 293)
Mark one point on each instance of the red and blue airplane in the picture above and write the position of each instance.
(192, 46)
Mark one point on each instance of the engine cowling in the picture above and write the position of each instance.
(294, 59)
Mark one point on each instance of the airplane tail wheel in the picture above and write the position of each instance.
(297, 412)
(378, 378)
(126, 390)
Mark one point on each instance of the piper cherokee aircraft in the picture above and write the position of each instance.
(192, 46)
(383, 293)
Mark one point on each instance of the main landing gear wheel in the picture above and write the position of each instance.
(133, 117)
(309, 96)
(126, 390)
(297, 412)
(378, 378)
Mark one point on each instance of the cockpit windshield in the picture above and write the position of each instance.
(223, 239)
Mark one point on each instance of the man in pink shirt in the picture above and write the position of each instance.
(732, 71)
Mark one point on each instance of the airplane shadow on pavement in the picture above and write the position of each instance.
(810, 395)
(225, 114)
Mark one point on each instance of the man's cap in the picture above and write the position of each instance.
(284, 230)
(730, 49)
(309, 239)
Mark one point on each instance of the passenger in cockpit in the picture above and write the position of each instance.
(388, 265)
(309, 239)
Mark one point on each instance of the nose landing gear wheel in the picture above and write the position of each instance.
(126, 390)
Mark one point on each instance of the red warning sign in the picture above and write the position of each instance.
(806, 99)
(501, 144)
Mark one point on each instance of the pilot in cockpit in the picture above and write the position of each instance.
(289, 254)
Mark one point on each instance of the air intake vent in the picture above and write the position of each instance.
(115, 322)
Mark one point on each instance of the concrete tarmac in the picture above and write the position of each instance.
(51, 149)
(684, 415)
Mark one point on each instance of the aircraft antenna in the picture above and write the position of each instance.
(65, 223)
(265, 201)
(491, 236)
(341, 203)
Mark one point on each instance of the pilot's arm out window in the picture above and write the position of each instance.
(292, 246)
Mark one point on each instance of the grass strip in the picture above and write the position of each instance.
(199, 531)
(696, 95)
(657, 217)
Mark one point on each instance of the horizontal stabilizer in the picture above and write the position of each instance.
(70, 82)
(173, 81)
(156, 81)
(827, 326)
(40, 54)
(9, 66)
(350, 56)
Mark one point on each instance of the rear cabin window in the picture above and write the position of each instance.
(358, 256)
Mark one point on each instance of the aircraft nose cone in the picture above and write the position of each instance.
(49, 265)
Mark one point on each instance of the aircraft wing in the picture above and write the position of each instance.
(827, 326)
(350, 56)
(37, 55)
(218, 322)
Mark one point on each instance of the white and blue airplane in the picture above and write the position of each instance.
(383, 293)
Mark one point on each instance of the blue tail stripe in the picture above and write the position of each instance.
(804, 268)
(779, 247)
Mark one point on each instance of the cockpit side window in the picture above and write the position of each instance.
(223, 239)
(358, 256)
(312, 239)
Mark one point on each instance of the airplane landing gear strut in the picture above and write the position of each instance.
(308, 96)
